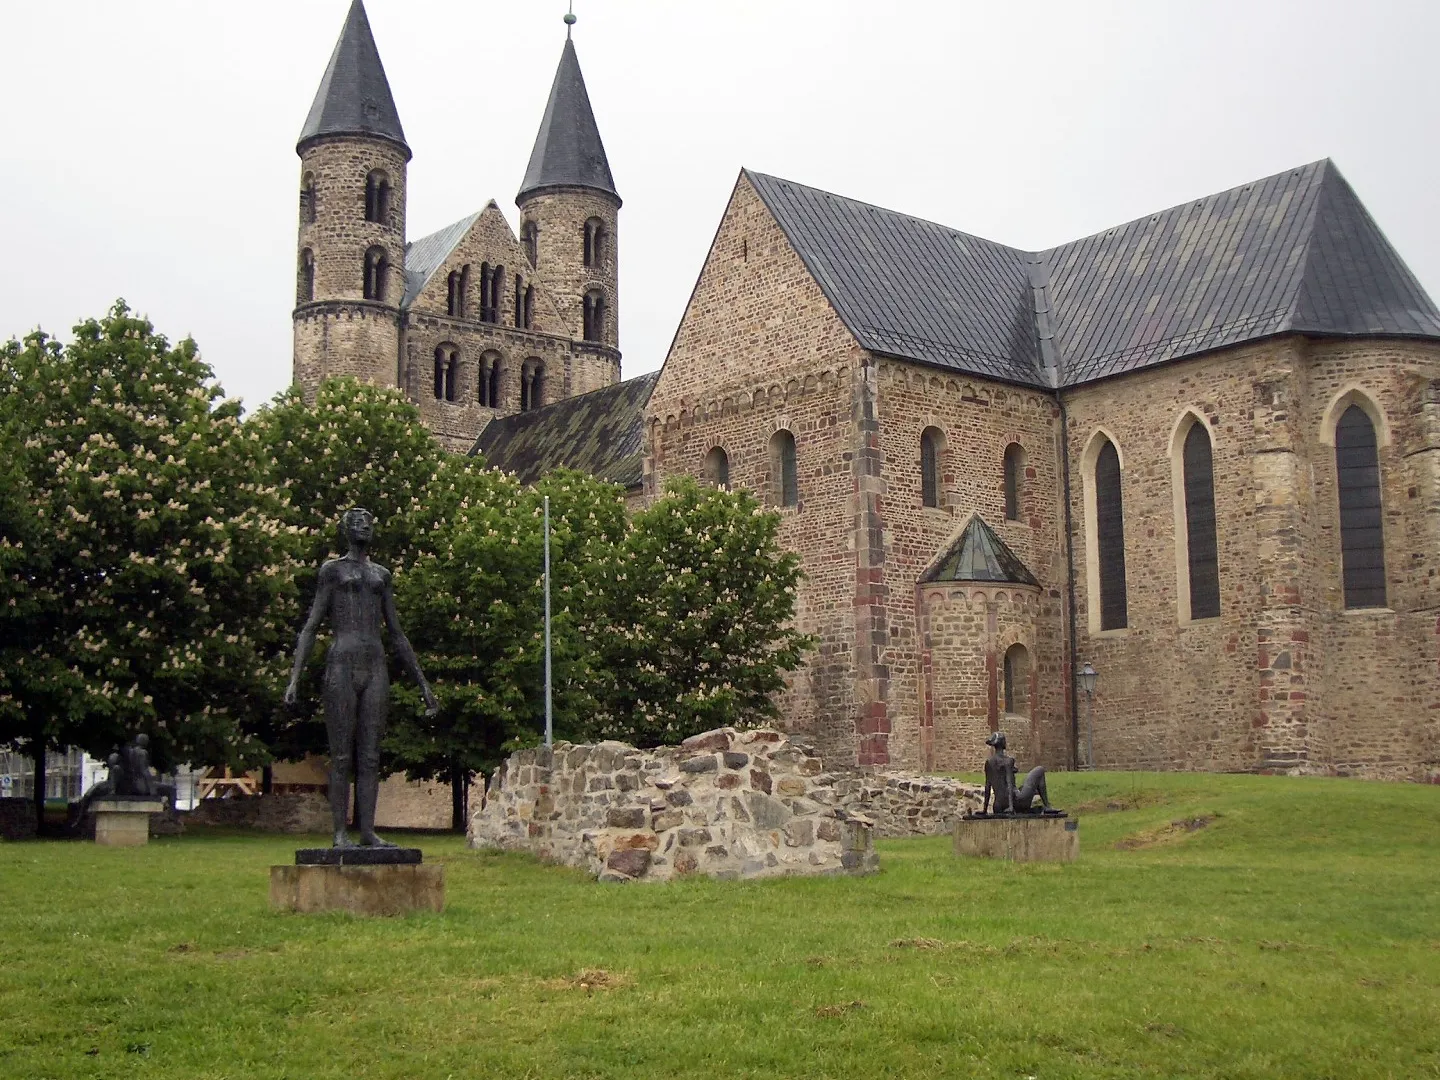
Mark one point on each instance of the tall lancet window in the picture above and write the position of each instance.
(1202, 550)
(1362, 532)
(1110, 538)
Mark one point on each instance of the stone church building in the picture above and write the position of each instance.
(1199, 451)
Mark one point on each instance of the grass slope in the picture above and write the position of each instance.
(1296, 934)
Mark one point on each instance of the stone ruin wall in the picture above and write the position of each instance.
(726, 804)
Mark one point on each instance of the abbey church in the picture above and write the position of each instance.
(1198, 453)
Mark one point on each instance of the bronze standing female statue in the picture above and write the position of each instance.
(357, 597)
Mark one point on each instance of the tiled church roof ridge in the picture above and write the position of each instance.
(601, 433)
(979, 555)
(354, 96)
(1296, 251)
(568, 151)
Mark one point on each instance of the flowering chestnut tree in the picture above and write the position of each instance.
(473, 604)
(698, 617)
(147, 566)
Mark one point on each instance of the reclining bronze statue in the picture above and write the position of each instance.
(1000, 782)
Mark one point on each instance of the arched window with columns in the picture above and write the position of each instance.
(532, 385)
(447, 372)
(377, 197)
(305, 286)
(488, 382)
(377, 270)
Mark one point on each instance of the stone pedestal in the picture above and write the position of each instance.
(124, 822)
(1026, 838)
(362, 881)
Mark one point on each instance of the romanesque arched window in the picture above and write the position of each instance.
(455, 287)
(530, 238)
(377, 269)
(1014, 466)
(532, 385)
(1110, 538)
(1016, 679)
(784, 470)
(594, 316)
(307, 199)
(492, 280)
(1202, 550)
(377, 197)
(305, 287)
(529, 307)
(1362, 533)
(489, 382)
(717, 467)
(447, 372)
(595, 239)
(931, 442)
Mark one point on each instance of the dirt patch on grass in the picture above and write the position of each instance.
(1116, 802)
(590, 980)
(917, 943)
(830, 1012)
(1165, 833)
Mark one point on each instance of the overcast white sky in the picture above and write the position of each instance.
(148, 145)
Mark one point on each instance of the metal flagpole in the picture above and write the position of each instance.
(549, 719)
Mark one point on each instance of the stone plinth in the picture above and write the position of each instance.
(358, 856)
(1026, 838)
(386, 889)
(124, 822)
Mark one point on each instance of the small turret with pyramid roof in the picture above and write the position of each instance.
(350, 274)
(569, 211)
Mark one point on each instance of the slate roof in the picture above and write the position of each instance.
(426, 255)
(600, 433)
(568, 151)
(354, 96)
(979, 555)
(1293, 252)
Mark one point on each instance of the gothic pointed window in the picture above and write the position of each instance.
(305, 290)
(377, 197)
(1202, 550)
(784, 471)
(1110, 538)
(1362, 533)
(717, 467)
(930, 443)
(1014, 466)
(377, 268)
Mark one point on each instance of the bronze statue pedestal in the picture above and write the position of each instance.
(1019, 837)
(124, 822)
(360, 880)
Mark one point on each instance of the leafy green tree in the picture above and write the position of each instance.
(472, 602)
(147, 565)
(699, 611)
(354, 445)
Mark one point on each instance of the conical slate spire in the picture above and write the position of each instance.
(354, 96)
(568, 151)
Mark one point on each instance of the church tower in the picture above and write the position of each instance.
(350, 268)
(569, 212)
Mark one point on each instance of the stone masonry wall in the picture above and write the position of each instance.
(759, 350)
(935, 722)
(1285, 677)
(724, 804)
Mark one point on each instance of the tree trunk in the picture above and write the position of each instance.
(459, 791)
(267, 780)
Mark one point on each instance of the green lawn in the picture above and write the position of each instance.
(1295, 935)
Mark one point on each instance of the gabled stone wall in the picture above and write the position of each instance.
(727, 804)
